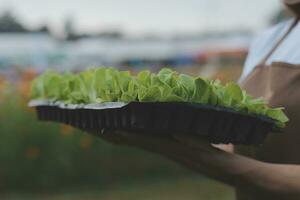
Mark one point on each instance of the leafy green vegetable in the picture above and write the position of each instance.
(110, 85)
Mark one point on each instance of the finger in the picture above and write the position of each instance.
(225, 147)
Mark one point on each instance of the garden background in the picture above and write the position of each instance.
(44, 160)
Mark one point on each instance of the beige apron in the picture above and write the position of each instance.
(279, 84)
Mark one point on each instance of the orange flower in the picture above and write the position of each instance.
(66, 129)
(24, 85)
(33, 153)
(85, 143)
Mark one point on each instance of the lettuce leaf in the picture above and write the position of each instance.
(98, 85)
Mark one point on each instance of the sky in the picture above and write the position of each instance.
(145, 16)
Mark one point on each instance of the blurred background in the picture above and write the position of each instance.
(41, 160)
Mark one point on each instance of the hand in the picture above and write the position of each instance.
(252, 177)
(187, 150)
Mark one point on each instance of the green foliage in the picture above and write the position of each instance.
(47, 157)
(99, 85)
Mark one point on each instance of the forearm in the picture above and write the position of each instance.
(280, 180)
(252, 175)
(236, 170)
(197, 166)
(202, 162)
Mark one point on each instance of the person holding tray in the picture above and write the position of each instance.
(271, 171)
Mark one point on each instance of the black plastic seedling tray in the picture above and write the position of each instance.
(217, 124)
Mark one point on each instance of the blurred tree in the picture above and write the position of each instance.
(69, 26)
(114, 34)
(8, 23)
(69, 29)
(43, 29)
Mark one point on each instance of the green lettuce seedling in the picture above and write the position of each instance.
(99, 85)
